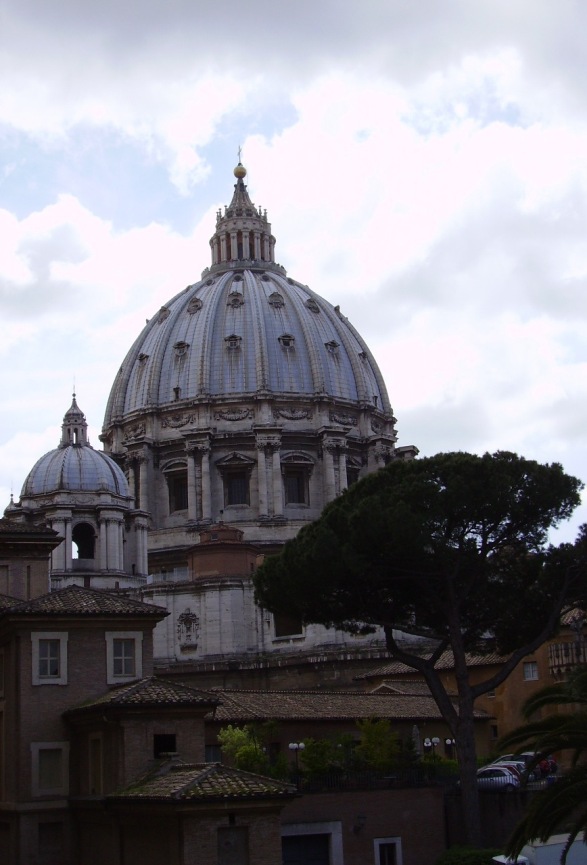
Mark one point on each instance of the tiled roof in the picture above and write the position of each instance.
(404, 686)
(204, 782)
(15, 527)
(77, 601)
(572, 617)
(148, 693)
(445, 662)
(6, 602)
(247, 706)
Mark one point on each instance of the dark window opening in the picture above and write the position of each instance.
(236, 488)
(213, 754)
(352, 475)
(164, 743)
(84, 539)
(287, 626)
(178, 491)
(295, 484)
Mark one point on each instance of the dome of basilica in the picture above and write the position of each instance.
(74, 466)
(245, 329)
(246, 399)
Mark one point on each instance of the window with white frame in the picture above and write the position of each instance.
(124, 656)
(50, 768)
(530, 671)
(49, 658)
(388, 851)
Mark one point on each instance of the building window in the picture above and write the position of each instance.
(295, 485)
(236, 488)
(388, 851)
(164, 743)
(213, 754)
(50, 768)
(313, 842)
(84, 539)
(530, 671)
(178, 491)
(49, 658)
(287, 626)
(123, 656)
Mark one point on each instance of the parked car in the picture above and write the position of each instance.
(544, 768)
(497, 778)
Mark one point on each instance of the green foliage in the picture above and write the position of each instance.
(245, 749)
(466, 856)
(414, 543)
(452, 547)
(379, 746)
(322, 756)
(562, 806)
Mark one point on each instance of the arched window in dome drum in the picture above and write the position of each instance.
(84, 541)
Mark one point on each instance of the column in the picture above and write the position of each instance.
(110, 548)
(103, 545)
(342, 478)
(257, 242)
(58, 554)
(121, 546)
(130, 466)
(68, 542)
(266, 248)
(233, 246)
(206, 492)
(277, 485)
(246, 245)
(143, 485)
(192, 493)
(262, 478)
(223, 255)
(328, 449)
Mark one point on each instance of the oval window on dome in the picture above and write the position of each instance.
(195, 305)
(276, 300)
(312, 305)
(233, 341)
(235, 299)
(286, 340)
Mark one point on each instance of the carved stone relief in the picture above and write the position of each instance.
(233, 415)
(343, 419)
(292, 413)
(175, 421)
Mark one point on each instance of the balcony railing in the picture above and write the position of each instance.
(563, 657)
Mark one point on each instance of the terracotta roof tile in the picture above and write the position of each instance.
(150, 692)
(6, 602)
(204, 782)
(77, 601)
(445, 662)
(247, 706)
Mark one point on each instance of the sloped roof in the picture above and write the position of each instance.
(445, 662)
(78, 601)
(404, 686)
(6, 602)
(204, 782)
(246, 706)
(148, 693)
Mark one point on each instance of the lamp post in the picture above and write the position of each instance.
(296, 747)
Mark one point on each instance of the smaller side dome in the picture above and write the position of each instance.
(75, 466)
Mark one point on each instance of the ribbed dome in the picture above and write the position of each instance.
(243, 333)
(74, 466)
(246, 329)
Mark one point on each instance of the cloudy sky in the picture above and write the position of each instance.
(423, 164)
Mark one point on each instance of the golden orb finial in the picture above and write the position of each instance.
(240, 171)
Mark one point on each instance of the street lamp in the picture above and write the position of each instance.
(433, 743)
(296, 747)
